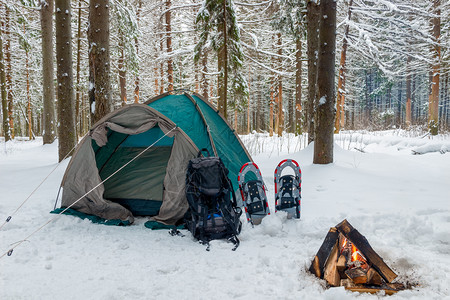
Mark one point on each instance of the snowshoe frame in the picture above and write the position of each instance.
(253, 193)
(288, 189)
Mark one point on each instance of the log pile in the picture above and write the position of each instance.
(347, 259)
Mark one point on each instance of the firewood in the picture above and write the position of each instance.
(364, 247)
(373, 277)
(370, 290)
(331, 274)
(341, 265)
(347, 283)
(358, 275)
(319, 260)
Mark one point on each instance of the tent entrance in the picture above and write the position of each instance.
(139, 186)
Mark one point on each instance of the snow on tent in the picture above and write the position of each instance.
(175, 127)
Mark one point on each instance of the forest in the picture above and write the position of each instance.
(253, 60)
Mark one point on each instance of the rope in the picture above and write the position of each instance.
(10, 251)
(20, 206)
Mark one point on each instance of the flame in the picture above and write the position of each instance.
(356, 255)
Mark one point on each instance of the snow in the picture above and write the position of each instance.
(322, 100)
(397, 200)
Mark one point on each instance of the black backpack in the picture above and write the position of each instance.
(213, 212)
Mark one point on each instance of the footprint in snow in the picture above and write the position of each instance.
(320, 188)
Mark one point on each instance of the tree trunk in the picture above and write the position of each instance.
(99, 59)
(433, 105)
(6, 129)
(325, 113)
(223, 66)
(248, 100)
(161, 66)
(271, 109)
(169, 46)
(313, 14)
(204, 80)
(66, 106)
(259, 104)
(78, 97)
(9, 73)
(280, 88)
(136, 42)
(399, 104)
(340, 117)
(298, 88)
(155, 69)
(29, 111)
(408, 93)
(122, 72)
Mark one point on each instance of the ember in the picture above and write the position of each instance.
(347, 259)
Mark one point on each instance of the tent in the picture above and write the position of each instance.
(173, 127)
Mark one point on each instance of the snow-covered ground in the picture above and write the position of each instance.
(400, 202)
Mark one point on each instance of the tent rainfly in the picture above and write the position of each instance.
(176, 126)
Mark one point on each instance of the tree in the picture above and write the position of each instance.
(136, 42)
(340, 114)
(6, 128)
(325, 111)
(290, 20)
(66, 104)
(8, 68)
(218, 26)
(99, 59)
(169, 45)
(48, 91)
(313, 13)
(433, 106)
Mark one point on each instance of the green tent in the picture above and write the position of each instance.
(159, 138)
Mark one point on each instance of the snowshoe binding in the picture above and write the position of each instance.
(253, 193)
(288, 189)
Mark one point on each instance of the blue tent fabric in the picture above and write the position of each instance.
(196, 116)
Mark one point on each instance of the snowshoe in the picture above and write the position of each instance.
(288, 189)
(253, 193)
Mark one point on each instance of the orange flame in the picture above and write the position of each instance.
(356, 255)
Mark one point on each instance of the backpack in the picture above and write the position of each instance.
(213, 212)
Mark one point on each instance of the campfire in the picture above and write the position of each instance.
(347, 259)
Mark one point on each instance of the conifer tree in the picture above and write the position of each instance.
(99, 59)
(218, 27)
(66, 102)
(47, 71)
(325, 110)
